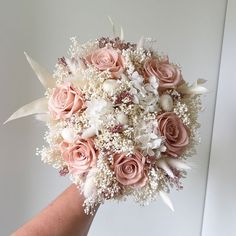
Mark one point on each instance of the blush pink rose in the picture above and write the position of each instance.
(65, 101)
(169, 76)
(80, 156)
(107, 59)
(175, 132)
(130, 170)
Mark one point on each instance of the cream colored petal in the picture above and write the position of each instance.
(121, 33)
(201, 81)
(36, 107)
(88, 133)
(178, 164)
(68, 134)
(113, 26)
(162, 164)
(164, 196)
(43, 75)
(43, 117)
(195, 89)
(140, 43)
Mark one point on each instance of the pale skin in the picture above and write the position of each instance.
(63, 217)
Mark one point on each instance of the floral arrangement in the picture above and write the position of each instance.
(121, 120)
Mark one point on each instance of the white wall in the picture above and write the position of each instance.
(189, 31)
(220, 210)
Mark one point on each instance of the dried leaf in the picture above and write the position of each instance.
(194, 89)
(36, 107)
(166, 200)
(162, 164)
(178, 164)
(43, 75)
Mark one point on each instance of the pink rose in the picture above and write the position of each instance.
(65, 101)
(169, 76)
(107, 59)
(175, 132)
(129, 170)
(80, 156)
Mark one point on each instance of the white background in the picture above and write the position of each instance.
(191, 32)
(220, 208)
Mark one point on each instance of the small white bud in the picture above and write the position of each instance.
(166, 102)
(68, 134)
(88, 133)
(109, 86)
(122, 118)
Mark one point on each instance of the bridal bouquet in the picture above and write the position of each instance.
(121, 120)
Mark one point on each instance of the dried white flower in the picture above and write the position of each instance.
(89, 132)
(147, 138)
(68, 134)
(166, 102)
(122, 118)
(145, 95)
(110, 86)
(96, 112)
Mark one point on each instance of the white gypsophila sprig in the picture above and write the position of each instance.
(194, 106)
(94, 80)
(76, 53)
(157, 181)
(135, 58)
(116, 142)
(106, 185)
(146, 43)
(77, 50)
(51, 156)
